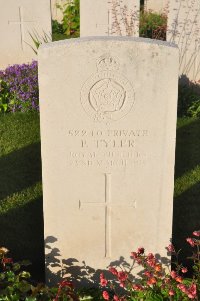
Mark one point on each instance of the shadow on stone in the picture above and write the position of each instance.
(84, 276)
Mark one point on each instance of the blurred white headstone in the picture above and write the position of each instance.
(19, 19)
(109, 18)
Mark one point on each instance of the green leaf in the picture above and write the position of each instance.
(25, 262)
(30, 299)
(25, 275)
(16, 267)
(24, 287)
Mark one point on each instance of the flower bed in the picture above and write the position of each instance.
(19, 88)
(154, 283)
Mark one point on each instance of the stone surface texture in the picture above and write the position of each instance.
(19, 19)
(184, 30)
(159, 6)
(109, 18)
(108, 123)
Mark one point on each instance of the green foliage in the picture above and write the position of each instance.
(194, 109)
(189, 100)
(16, 284)
(57, 27)
(5, 95)
(154, 282)
(71, 19)
(70, 25)
(58, 32)
(153, 25)
(39, 40)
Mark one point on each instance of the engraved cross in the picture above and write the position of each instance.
(107, 25)
(107, 204)
(21, 23)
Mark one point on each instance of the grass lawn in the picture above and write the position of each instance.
(58, 36)
(21, 222)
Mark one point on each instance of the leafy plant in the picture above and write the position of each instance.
(194, 109)
(39, 40)
(57, 28)
(189, 100)
(4, 96)
(19, 88)
(153, 25)
(16, 284)
(71, 18)
(155, 284)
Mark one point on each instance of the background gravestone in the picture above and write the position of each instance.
(56, 11)
(159, 6)
(19, 19)
(184, 30)
(109, 17)
(108, 144)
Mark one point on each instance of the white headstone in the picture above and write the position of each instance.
(108, 124)
(184, 30)
(57, 7)
(109, 18)
(19, 19)
(159, 6)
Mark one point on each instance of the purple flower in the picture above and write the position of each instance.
(22, 81)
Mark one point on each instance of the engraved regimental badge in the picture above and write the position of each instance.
(107, 95)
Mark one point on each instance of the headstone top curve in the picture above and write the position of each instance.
(107, 39)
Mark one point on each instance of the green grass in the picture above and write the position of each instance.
(21, 221)
(186, 216)
(59, 36)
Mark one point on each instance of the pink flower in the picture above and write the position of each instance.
(179, 279)
(139, 260)
(191, 296)
(151, 280)
(134, 255)
(192, 291)
(7, 260)
(167, 280)
(106, 295)
(140, 250)
(150, 256)
(191, 241)
(182, 287)
(113, 271)
(151, 260)
(158, 268)
(65, 283)
(122, 276)
(184, 270)
(173, 274)
(122, 284)
(171, 292)
(116, 298)
(170, 248)
(103, 281)
(137, 287)
(196, 233)
(147, 273)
